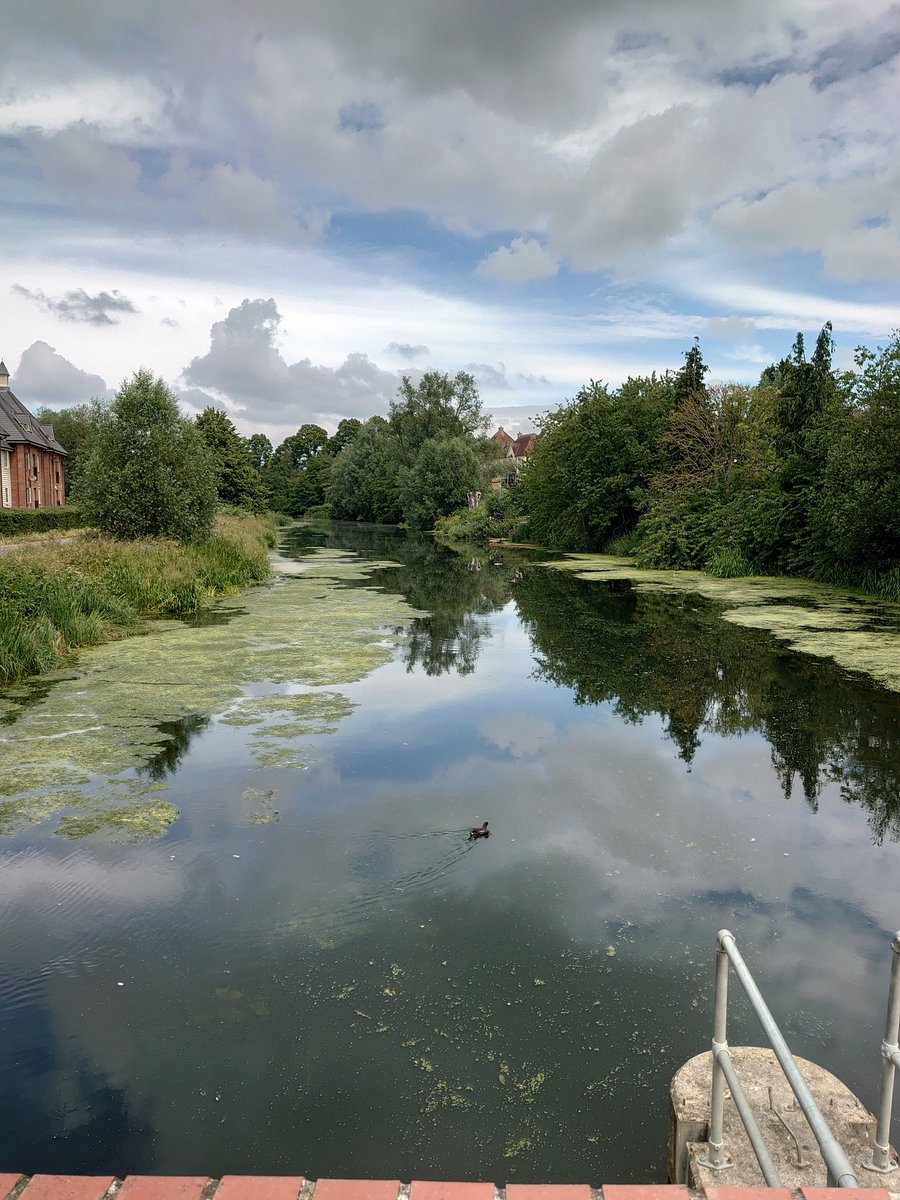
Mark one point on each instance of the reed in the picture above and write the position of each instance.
(56, 598)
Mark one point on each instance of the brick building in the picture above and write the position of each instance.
(32, 462)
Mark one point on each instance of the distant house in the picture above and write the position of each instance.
(517, 449)
(32, 462)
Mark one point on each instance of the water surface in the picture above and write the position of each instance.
(311, 970)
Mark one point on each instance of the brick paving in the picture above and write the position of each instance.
(295, 1187)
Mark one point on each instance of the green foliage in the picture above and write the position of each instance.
(681, 530)
(437, 408)
(392, 470)
(688, 381)
(443, 473)
(298, 472)
(59, 598)
(238, 481)
(15, 521)
(857, 519)
(728, 564)
(718, 495)
(498, 515)
(260, 450)
(622, 545)
(363, 485)
(75, 430)
(800, 474)
(346, 432)
(593, 462)
(149, 473)
(319, 512)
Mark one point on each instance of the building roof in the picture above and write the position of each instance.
(502, 436)
(523, 445)
(17, 425)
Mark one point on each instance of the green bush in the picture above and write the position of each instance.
(150, 473)
(622, 545)
(728, 564)
(14, 521)
(319, 512)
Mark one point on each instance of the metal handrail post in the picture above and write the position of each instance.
(715, 1155)
(890, 1052)
(754, 1133)
(840, 1170)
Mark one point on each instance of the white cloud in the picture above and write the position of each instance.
(45, 377)
(245, 365)
(77, 305)
(730, 329)
(85, 171)
(406, 350)
(521, 261)
(684, 149)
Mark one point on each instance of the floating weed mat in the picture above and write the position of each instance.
(858, 633)
(272, 669)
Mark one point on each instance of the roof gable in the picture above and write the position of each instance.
(18, 426)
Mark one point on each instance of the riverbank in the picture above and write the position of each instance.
(856, 630)
(56, 598)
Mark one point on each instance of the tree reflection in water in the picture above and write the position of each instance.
(647, 653)
(673, 655)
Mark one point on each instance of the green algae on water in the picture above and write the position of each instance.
(132, 823)
(265, 813)
(857, 632)
(296, 640)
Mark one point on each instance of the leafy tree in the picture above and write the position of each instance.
(857, 522)
(346, 431)
(689, 379)
(75, 430)
(363, 484)
(438, 407)
(294, 481)
(238, 481)
(806, 403)
(718, 496)
(593, 463)
(260, 450)
(311, 483)
(300, 447)
(149, 473)
(444, 472)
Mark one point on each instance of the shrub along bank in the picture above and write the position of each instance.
(54, 598)
(21, 522)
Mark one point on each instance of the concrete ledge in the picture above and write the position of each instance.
(789, 1139)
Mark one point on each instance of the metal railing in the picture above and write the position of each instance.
(881, 1159)
(840, 1170)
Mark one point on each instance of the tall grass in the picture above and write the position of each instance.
(56, 598)
(884, 584)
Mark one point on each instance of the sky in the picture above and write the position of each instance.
(282, 208)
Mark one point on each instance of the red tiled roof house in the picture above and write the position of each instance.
(32, 462)
(517, 449)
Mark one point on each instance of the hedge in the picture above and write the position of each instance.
(38, 520)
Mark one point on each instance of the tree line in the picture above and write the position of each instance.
(137, 467)
(798, 474)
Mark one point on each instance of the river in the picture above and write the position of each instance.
(243, 929)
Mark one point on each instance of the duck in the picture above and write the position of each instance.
(479, 831)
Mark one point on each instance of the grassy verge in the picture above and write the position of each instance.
(55, 598)
(48, 535)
